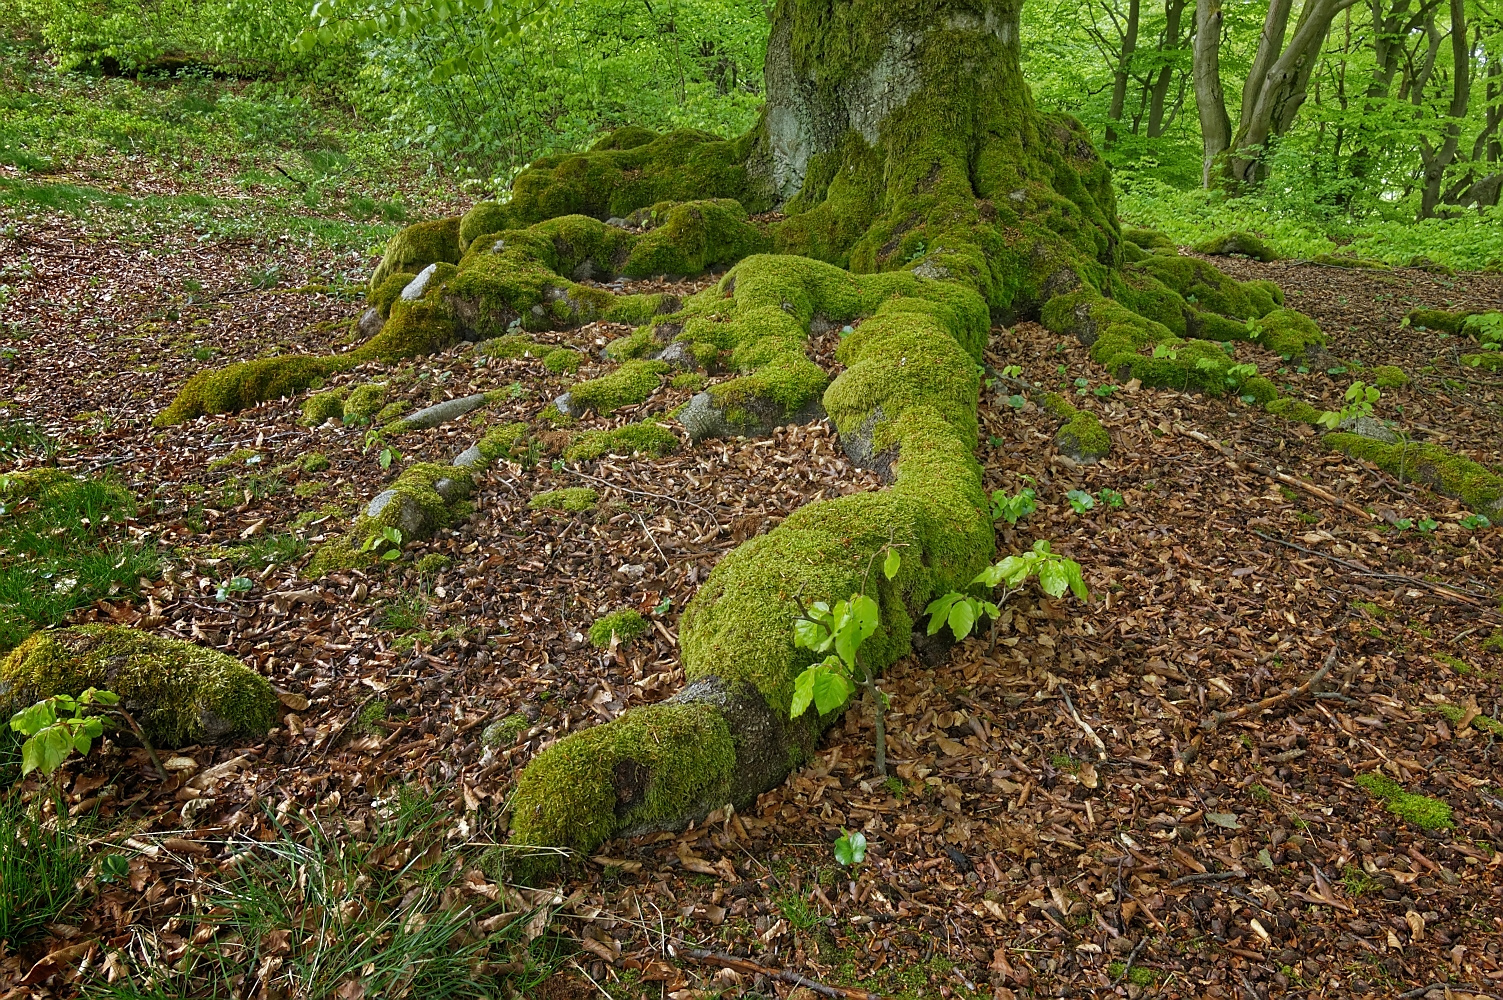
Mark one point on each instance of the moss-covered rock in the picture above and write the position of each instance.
(632, 383)
(364, 402)
(504, 732)
(1444, 471)
(624, 625)
(1149, 239)
(1240, 244)
(508, 441)
(572, 500)
(561, 359)
(1389, 377)
(239, 386)
(1438, 319)
(1082, 438)
(321, 407)
(645, 438)
(424, 498)
(180, 693)
(313, 462)
(417, 246)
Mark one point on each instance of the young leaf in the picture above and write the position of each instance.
(831, 688)
(891, 564)
(939, 610)
(962, 617)
(803, 692)
(1053, 578)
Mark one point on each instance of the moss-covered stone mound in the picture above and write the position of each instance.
(180, 693)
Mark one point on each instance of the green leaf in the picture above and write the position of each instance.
(30, 721)
(92, 727)
(46, 751)
(850, 849)
(1053, 578)
(831, 687)
(81, 742)
(939, 611)
(803, 692)
(810, 635)
(892, 564)
(962, 617)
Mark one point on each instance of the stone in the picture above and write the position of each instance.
(616, 221)
(410, 521)
(861, 449)
(371, 322)
(678, 355)
(417, 286)
(702, 418)
(452, 489)
(565, 405)
(469, 458)
(1370, 427)
(440, 413)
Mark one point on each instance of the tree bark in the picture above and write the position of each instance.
(1215, 125)
(1437, 160)
(1124, 67)
(1173, 12)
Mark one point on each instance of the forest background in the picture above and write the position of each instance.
(1378, 135)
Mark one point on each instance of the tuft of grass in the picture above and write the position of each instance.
(1357, 881)
(23, 439)
(404, 613)
(40, 862)
(1421, 810)
(798, 911)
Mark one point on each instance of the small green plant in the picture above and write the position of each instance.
(961, 612)
(1013, 508)
(1080, 501)
(112, 868)
(839, 632)
(1165, 351)
(1359, 401)
(1426, 525)
(1476, 522)
(387, 543)
(234, 585)
(41, 861)
(1112, 498)
(850, 849)
(387, 456)
(58, 726)
(1012, 371)
(1104, 391)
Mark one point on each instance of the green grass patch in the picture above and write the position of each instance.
(1421, 810)
(40, 861)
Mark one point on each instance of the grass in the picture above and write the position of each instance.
(40, 860)
(403, 614)
(1357, 881)
(326, 916)
(61, 549)
(23, 439)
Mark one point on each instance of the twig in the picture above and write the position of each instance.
(1244, 462)
(1127, 968)
(151, 751)
(1206, 877)
(1442, 589)
(338, 734)
(666, 564)
(1100, 746)
(1447, 988)
(644, 493)
(782, 975)
(1257, 707)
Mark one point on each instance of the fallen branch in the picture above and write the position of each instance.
(1100, 746)
(1243, 462)
(1257, 707)
(782, 975)
(1443, 589)
(1205, 877)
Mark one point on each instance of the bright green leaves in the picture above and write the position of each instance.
(1054, 572)
(387, 541)
(829, 684)
(1080, 501)
(824, 684)
(1358, 402)
(53, 734)
(1014, 508)
(850, 849)
(891, 564)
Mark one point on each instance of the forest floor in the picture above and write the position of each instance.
(1014, 854)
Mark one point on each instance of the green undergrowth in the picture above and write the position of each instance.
(631, 383)
(645, 438)
(63, 545)
(1421, 810)
(1082, 435)
(41, 860)
(416, 511)
(624, 626)
(1455, 713)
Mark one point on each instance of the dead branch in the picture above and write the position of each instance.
(1440, 589)
(782, 975)
(1243, 462)
(1257, 707)
(1100, 746)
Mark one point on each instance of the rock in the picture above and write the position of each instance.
(585, 271)
(565, 405)
(452, 489)
(616, 221)
(678, 355)
(371, 322)
(469, 458)
(417, 286)
(703, 418)
(410, 520)
(861, 450)
(440, 413)
(931, 270)
(179, 692)
(498, 246)
(1370, 427)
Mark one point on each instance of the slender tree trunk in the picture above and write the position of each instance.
(1215, 125)
(1173, 12)
(1437, 160)
(1124, 67)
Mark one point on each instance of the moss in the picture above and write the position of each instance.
(504, 732)
(563, 360)
(308, 489)
(337, 554)
(417, 246)
(692, 237)
(1490, 361)
(633, 382)
(384, 294)
(1293, 409)
(1389, 377)
(1241, 244)
(645, 438)
(180, 693)
(416, 493)
(625, 625)
(1341, 260)
(512, 345)
(1455, 713)
(1438, 319)
(1148, 239)
(364, 402)
(1448, 473)
(313, 461)
(322, 407)
(677, 754)
(690, 381)
(776, 393)
(1210, 291)
(240, 456)
(1084, 438)
(508, 441)
(242, 385)
(1421, 810)
(413, 329)
(1286, 333)
(432, 564)
(573, 500)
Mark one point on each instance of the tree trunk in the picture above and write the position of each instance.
(1437, 160)
(1173, 11)
(1215, 125)
(1123, 71)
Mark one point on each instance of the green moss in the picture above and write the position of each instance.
(1446, 472)
(1489, 361)
(625, 625)
(180, 693)
(417, 246)
(364, 402)
(512, 345)
(240, 456)
(573, 499)
(384, 294)
(432, 564)
(1285, 332)
(1421, 810)
(1148, 239)
(690, 381)
(238, 386)
(504, 732)
(1293, 409)
(1210, 291)
(676, 755)
(645, 438)
(1389, 377)
(309, 489)
(1438, 319)
(413, 329)
(1237, 243)
(772, 395)
(313, 461)
(1341, 260)
(633, 382)
(416, 491)
(322, 407)
(508, 441)
(691, 237)
(563, 360)
(1455, 713)
(1494, 643)
(340, 553)
(391, 412)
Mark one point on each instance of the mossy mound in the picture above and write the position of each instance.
(314, 461)
(513, 345)
(572, 500)
(424, 498)
(562, 359)
(1438, 319)
(1342, 260)
(1421, 810)
(243, 385)
(1389, 377)
(1082, 438)
(504, 732)
(645, 438)
(180, 693)
(364, 402)
(1446, 472)
(321, 407)
(625, 625)
(1239, 244)
(1150, 240)
(632, 383)
(417, 246)
(508, 441)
